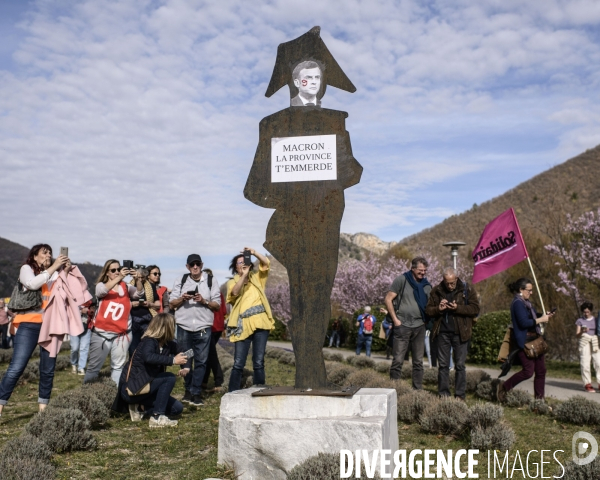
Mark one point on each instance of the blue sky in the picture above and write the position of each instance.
(127, 128)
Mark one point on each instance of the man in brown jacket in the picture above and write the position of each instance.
(454, 305)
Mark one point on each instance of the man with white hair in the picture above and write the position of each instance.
(365, 324)
(454, 305)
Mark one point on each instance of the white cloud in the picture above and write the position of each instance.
(129, 127)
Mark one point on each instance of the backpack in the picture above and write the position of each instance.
(368, 325)
(187, 275)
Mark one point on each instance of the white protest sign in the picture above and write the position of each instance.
(303, 159)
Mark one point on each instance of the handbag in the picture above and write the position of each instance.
(23, 299)
(382, 332)
(142, 391)
(536, 347)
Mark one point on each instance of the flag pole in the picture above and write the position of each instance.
(538, 290)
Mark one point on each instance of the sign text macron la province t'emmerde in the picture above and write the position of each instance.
(303, 159)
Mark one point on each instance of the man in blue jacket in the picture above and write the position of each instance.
(365, 324)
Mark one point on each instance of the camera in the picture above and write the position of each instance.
(247, 258)
(142, 270)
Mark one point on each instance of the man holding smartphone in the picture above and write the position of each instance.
(195, 298)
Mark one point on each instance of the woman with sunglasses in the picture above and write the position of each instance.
(150, 304)
(250, 320)
(38, 273)
(112, 322)
(526, 326)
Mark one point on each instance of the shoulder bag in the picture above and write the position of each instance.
(142, 391)
(23, 299)
(536, 347)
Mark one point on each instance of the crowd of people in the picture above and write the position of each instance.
(145, 328)
(440, 319)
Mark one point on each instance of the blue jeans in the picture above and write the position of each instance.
(335, 338)
(80, 347)
(26, 339)
(259, 344)
(365, 340)
(200, 342)
(159, 400)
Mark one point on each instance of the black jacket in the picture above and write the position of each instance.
(146, 363)
(466, 310)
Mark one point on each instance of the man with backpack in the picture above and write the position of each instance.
(195, 298)
(365, 324)
(454, 306)
(406, 301)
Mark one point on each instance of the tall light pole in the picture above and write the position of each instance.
(454, 246)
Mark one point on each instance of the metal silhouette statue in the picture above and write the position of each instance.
(302, 165)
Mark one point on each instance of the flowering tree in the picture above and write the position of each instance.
(279, 299)
(580, 254)
(362, 282)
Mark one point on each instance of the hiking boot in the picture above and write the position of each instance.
(501, 392)
(134, 413)
(161, 421)
(196, 401)
(589, 388)
(81, 372)
(187, 396)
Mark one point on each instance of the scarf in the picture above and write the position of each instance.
(149, 294)
(419, 292)
(532, 312)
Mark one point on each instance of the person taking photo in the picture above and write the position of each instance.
(250, 320)
(112, 323)
(145, 385)
(37, 274)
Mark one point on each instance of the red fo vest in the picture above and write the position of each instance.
(113, 312)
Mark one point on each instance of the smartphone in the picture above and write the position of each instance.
(189, 353)
(247, 258)
(191, 292)
(64, 251)
(127, 263)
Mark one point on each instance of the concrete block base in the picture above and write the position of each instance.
(265, 437)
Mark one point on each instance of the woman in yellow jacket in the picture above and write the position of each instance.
(250, 319)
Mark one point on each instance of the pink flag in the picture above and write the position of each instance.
(500, 247)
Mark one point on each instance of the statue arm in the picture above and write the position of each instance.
(349, 170)
(259, 189)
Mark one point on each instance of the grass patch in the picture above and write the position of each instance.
(129, 450)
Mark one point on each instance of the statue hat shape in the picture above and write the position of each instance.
(308, 47)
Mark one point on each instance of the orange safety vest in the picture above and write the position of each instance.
(113, 312)
(35, 316)
(161, 291)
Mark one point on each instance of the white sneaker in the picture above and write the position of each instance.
(73, 368)
(162, 421)
(81, 371)
(135, 415)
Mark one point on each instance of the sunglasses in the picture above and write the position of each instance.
(240, 263)
(114, 270)
(195, 264)
(156, 274)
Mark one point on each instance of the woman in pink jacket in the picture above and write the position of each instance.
(38, 273)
